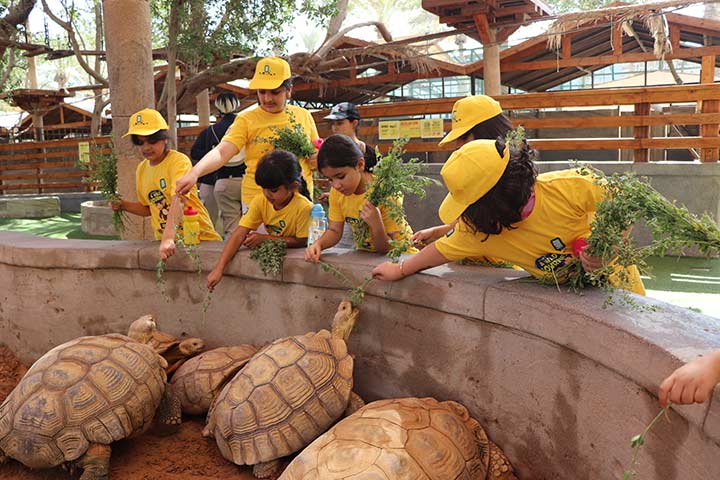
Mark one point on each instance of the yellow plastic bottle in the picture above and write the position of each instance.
(191, 227)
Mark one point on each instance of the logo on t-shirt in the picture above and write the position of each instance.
(450, 232)
(557, 244)
(276, 229)
(550, 262)
(163, 183)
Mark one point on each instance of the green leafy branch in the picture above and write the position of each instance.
(638, 441)
(292, 138)
(394, 178)
(102, 171)
(356, 294)
(270, 254)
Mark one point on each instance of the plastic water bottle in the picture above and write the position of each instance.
(318, 223)
(191, 227)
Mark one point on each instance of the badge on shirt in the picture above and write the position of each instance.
(557, 244)
(450, 232)
(163, 183)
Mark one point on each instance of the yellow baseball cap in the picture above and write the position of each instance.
(146, 122)
(468, 112)
(469, 173)
(270, 73)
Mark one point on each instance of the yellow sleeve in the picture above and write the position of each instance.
(238, 132)
(586, 193)
(335, 213)
(309, 126)
(303, 221)
(459, 243)
(179, 165)
(138, 190)
(253, 218)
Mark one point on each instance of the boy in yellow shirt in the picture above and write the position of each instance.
(155, 178)
(273, 83)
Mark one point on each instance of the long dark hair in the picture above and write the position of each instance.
(492, 128)
(502, 205)
(278, 168)
(339, 151)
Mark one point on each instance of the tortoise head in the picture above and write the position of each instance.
(142, 329)
(191, 346)
(344, 320)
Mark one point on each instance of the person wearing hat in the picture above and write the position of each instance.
(155, 178)
(476, 117)
(501, 208)
(273, 83)
(345, 119)
(224, 191)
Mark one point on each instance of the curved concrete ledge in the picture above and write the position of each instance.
(559, 382)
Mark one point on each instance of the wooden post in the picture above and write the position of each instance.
(203, 108)
(641, 154)
(130, 74)
(491, 55)
(707, 75)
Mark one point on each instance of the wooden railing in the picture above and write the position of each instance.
(705, 97)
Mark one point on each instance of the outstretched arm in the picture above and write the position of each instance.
(213, 160)
(231, 247)
(167, 244)
(427, 258)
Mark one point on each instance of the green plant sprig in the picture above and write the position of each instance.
(356, 294)
(270, 254)
(292, 138)
(393, 179)
(102, 169)
(160, 279)
(638, 441)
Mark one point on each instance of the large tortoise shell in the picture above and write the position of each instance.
(198, 381)
(414, 438)
(95, 389)
(289, 393)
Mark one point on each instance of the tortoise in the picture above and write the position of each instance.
(197, 382)
(290, 392)
(175, 350)
(80, 397)
(418, 438)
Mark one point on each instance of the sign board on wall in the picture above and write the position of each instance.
(84, 152)
(389, 130)
(393, 129)
(431, 128)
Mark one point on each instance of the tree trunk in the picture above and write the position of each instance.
(130, 72)
(170, 86)
(96, 122)
(337, 20)
(16, 15)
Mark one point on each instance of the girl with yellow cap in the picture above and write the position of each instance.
(155, 179)
(500, 207)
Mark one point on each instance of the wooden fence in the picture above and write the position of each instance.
(44, 167)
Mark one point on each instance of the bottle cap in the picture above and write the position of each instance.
(190, 211)
(317, 211)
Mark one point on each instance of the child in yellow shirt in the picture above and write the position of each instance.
(283, 208)
(155, 179)
(342, 162)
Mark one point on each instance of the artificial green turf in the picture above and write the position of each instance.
(66, 225)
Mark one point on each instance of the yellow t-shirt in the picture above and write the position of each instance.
(293, 220)
(251, 124)
(155, 186)
(564, 204)
(347, 208)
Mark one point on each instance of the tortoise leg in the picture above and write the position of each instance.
(96, 462)
(3, 458)
(355, 403)
(168, 416)
(269, 469)
(500, 467)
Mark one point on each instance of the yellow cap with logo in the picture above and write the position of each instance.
(469, 173)
(270, 73)
(146, 122)
(468, 112)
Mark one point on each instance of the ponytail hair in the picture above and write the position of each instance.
(280, 168)
(339, 151)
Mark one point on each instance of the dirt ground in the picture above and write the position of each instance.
(185, 455)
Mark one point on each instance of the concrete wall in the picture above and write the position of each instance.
(69, 201)
(695, 185)
(559, 382)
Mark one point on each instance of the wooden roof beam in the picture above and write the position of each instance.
(483, 28)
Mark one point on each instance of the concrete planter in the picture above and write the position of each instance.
(96, 218)
(29, 206)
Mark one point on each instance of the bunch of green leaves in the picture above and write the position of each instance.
(291, 138)
(638, 441)
(515, 137)
(356, 294)
(102, 171)
(160, 279)
(270, 254)
(393, 178)
(629, 199)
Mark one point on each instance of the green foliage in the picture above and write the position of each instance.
(292, 138)
(270, 254)
(356, 294)
(638, 441)
(160, 279)
(628, 200)
(213, 31)
(393, 179)
(102, 171)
